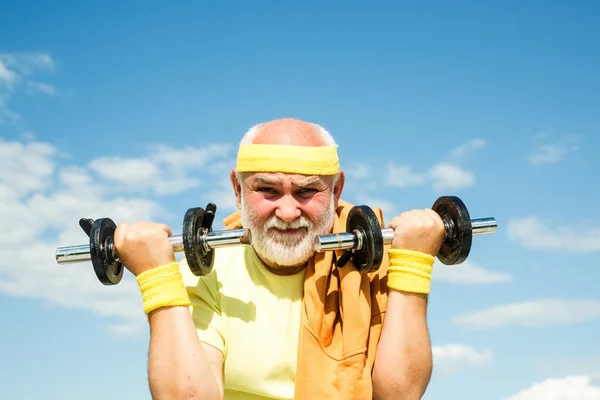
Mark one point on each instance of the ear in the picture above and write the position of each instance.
(339, 187)
(237, 189)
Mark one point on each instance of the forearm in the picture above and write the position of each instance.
(178, 366)
(403, 362)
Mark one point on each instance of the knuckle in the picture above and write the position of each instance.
(441, 229)
(120, 233)
(430, 225)
(394, 222)
(136, 233)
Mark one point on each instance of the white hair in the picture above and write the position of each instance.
(249, 136)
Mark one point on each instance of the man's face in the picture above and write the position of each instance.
(285, 212)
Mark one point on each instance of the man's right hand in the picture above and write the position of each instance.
(143, 246)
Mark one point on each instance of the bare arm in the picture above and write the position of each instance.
(180, 366)
(403, 363)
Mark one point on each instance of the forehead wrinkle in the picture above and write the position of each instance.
(264, 179)
(302, 182)
(307, 181)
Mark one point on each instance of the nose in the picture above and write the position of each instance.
(287, 209)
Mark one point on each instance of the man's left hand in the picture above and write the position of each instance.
(418, 230)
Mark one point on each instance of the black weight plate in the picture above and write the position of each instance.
(457, 245)
(108, 271)
(207, 221)
(199, 260)
(368, 258)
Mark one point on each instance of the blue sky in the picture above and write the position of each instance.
(133, 110)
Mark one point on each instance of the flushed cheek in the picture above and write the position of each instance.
(260, 207)
(316, 209)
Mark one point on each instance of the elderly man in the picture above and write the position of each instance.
(275, 320)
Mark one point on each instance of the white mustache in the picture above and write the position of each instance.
(279, 224)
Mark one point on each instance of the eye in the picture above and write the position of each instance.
(307, 192)
(265, 190)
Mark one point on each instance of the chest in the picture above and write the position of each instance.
(261, 342)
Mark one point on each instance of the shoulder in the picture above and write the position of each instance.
(344, 207)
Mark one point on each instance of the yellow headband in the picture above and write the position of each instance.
(306, 160)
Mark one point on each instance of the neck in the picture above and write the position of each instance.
(285, 271)
(282, 270)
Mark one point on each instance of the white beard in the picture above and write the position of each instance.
(286, 250)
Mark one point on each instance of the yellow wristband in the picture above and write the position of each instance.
(410, 271)
(162, 287)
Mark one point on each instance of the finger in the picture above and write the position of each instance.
(434, 215)
(166, 228)
(438, 221)
(398, 220)
(408, 218)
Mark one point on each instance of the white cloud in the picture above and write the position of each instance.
(45, 88)
(195, 158)
(451, 358)
(28, 63)
(467, 273)
(164, 171)
(359, 171)
(41, 202)
(532, 233)
(25, 167)
(43, 221)
(470, 146)
(403, 176)
(7, 77)
(550, 153)
(137, 172)
(16, 70)
(389, 209)
(574, 387)
(450, 175)
(446, 176)
(535, 313)
(221, 192)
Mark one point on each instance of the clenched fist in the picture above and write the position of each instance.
(143, 246)
(418, 230)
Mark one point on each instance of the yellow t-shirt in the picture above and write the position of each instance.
(253, 317)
